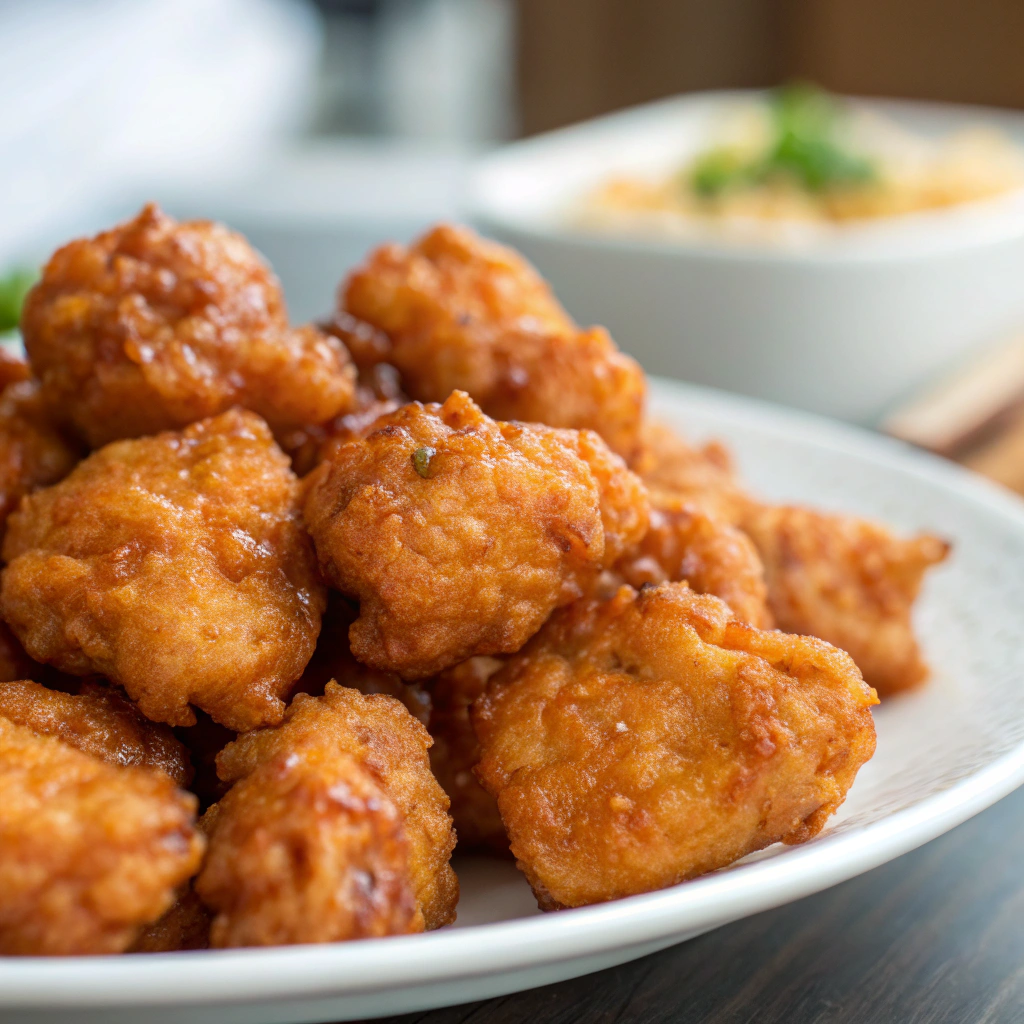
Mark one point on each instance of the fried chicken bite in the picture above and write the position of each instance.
(676, 473)
(459, 535)
(462, 313)
(380, 736)
(99, 721)
(377, 394)
(845, 580)
(15, 664)
(153, 325)
(456, 752)
(367, 346)
(185, 926)
(333, 661)
(14, 660)
(644, 740)
(684, 543)
(33, 452)
(850, 582)
(13, 369)
(177, 567)
(186, 923)
(307, 848)
(89, 852)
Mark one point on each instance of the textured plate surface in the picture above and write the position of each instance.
(944, 753)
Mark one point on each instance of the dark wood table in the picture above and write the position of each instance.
(935, 936)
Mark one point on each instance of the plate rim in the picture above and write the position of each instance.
(354, 969)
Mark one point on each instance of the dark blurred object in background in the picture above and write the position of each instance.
(438, 71)
(580, 58)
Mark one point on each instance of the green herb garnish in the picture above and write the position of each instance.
(421, 460)
(14, 286)
(805, 148)
(717, 170)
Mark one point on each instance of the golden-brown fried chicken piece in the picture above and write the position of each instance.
(381, 736)
(377, 394)
(456, 752)
(459, 535)
(676, 473)
(155, 324)
(98, 720)
(333, 661)
(845, 580)
(89, 852)
(684, 543)
(33, 452)
(186, 923)
(13, 369)
(307, 848)
(185, 926)
(14, 660)
(641, 741)
(466, 314)
(15, 664)
(850, 582)
(175, 566)
(367, 346)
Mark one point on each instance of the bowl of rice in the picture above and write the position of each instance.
(827, 253)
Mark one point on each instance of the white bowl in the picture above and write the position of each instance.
(845, 322)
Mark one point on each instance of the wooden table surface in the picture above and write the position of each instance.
(935, 936)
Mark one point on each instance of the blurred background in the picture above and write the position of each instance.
(365, 113)
(321, 127)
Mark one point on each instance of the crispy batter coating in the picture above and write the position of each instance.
(89, 852)
(842, 579)
(676, 473)
(625, 508)
(186, 923)
(185, 926)
(381, 735)
(367, 346)
(307, 848)
(33, 452)
(647, 739)
(456, 751)
(333, 661)
(850, 582)
(13, 369)
(684, 543)
(175, 566)
(467, 314)
(14, 660)
(15, 664)
(459, 535)
(98, 720)
(154, 324)
(377, 394)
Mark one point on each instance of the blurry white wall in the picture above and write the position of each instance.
(317, 127)
(112, 92)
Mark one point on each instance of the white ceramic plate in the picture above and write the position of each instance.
(944, 754)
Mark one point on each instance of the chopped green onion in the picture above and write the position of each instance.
(717, 170)
(14, 286)
(421, 460)
(805, 147)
